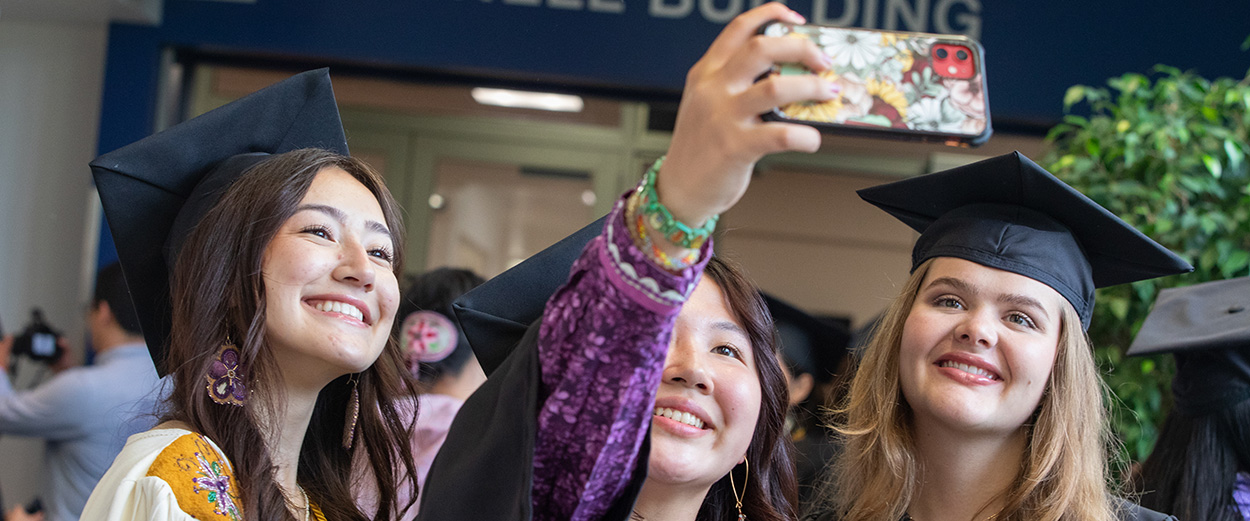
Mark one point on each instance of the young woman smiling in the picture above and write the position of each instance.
(721, 373)
(642, 382)
(978, 397)
(707, 417)
(275, 328)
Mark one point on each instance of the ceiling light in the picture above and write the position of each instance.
(528, 100)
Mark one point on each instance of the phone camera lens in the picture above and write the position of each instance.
(940, 53)
(961, 54)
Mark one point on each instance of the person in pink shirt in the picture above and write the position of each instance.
(438, 356)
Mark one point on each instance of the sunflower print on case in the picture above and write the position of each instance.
(887, 80)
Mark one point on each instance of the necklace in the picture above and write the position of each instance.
(306, 501)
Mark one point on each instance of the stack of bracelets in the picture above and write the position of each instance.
(646, 211)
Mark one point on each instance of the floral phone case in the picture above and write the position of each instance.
(916, 86)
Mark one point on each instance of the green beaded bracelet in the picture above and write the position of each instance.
(662, 220)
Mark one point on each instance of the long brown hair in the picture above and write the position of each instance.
(218, 292)
(771, 490)
(1063, 474)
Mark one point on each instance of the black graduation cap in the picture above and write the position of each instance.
(1008, 213)
(1207, 328)
(813, 345)
(155, 190)
(495, 315)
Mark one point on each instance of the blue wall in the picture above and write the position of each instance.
(1034, 50)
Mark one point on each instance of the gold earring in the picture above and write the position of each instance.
(353, 413)
(746, 478)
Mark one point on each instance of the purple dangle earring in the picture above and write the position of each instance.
(225, 380)
(353, 413)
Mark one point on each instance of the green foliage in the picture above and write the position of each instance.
(1168, 154)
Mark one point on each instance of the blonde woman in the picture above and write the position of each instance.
(978, 397)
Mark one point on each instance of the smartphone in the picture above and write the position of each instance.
(917, 86)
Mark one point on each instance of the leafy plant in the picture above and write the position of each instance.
(1167, 153)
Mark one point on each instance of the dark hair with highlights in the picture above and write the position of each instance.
(218, 291)
(771, 490)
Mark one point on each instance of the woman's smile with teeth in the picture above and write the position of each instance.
(339, 307)
(683, 417)
(968, 369)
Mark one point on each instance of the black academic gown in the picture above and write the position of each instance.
(484, 470)
(1130, 511)
(812, 455)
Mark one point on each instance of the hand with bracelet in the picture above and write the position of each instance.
(647, 385)
(719, 135)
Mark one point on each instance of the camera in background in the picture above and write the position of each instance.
(38, 341)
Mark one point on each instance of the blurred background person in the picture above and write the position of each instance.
(19, 513)
(434, 353)
(1200, 467)
(85, 414)
(812, 355)
(439, 356)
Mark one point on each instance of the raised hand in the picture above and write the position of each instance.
(719, 135)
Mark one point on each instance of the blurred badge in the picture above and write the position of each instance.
(429, 336)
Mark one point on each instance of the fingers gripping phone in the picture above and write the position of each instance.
(917, 86)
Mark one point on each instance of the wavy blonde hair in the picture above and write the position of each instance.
(1064, 474)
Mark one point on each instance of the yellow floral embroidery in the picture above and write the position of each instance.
(201, 478)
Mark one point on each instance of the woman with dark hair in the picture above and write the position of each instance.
(977, 396)
(680, 473)
(275, 324)
(643, 382)
(1200, 467)
(437, 354)
(716, 448)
